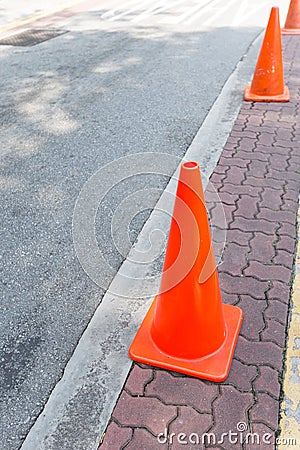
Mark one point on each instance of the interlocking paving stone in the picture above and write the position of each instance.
(229, 410)
(116, 437)
(271, 116)
(265, 410)
(284, 134)
(259, 353)
(260, 437)
(247, 207)
(275, 332)
(287, 229)
(239, 237)
(253, 321)
(281, 216)
(267, 150)
(268, 272)
(292, 185)
(183, 391)
(192, 425)
(241, 375)
(216, 179)
(254, 155)
(279, 161)
(262, 247)
(286, 243)
(227, 198)
(267, 381)
(276, 310)
(271, 197)
(267, 139)
(284, 124)
(283, 258)
(242, 285)
(258, 168)
(240, 189)
(143, 412)
(230, 299)
(279, 291)
(221, 169)
(292, 194)
(255, 225)
(138, 379)
(235, 258)
(143, 440)
(234, 175)
(242, 132)
(283, 176)
(228, 211)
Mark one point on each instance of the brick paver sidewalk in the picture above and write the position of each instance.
(257, 178)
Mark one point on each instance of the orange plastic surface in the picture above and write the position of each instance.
(268, 80)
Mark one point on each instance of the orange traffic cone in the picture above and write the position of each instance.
(292, 22)
(268, 84)
(187, 328)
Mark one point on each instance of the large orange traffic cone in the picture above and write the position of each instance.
(187, 328)
(292, 21)
(268, 84)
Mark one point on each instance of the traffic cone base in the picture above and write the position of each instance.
(251, 97)
(290, 30)
(214, 367)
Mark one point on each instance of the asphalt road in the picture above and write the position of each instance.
(106, 89)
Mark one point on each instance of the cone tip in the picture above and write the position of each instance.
(190, 165)
(275, 10)
(274, 14)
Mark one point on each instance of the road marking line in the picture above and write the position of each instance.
(111, 13)
(200, 11)
(185, 11)
(138, 6)
(240, 12)
(219, 13)
(157, 9)
(150, 11)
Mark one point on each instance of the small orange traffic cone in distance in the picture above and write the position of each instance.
(187, 328)
(292, 21)
(268, 83)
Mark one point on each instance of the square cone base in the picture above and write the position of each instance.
(214, 367)
(290, 30)
(250, 97)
